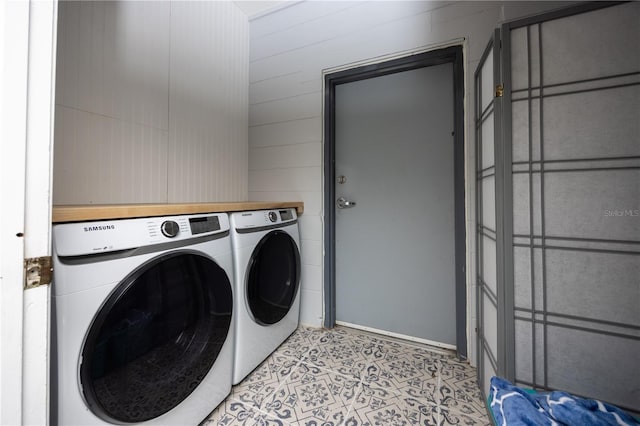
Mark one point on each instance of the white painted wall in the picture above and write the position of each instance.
(151, 102)
(289, 51)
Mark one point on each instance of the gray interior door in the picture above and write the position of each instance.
(395, 248)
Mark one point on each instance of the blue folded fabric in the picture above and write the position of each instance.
(512, 405)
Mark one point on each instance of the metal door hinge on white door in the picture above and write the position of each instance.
(37, 272)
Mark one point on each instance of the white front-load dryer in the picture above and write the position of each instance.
(143, 320)
(266, 259)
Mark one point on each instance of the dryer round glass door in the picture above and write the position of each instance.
(273, 277)
(156, 337)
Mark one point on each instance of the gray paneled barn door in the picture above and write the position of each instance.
(567, 205)
(572, 99)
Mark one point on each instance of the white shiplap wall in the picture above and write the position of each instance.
(289, 51)
(151, 102)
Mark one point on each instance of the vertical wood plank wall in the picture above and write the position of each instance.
(151, 103)
(290, 49)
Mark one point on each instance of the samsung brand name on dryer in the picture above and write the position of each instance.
(99, 228)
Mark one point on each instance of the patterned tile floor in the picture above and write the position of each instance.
(353, 378)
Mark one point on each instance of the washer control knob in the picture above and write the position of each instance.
(273, 216)
(169, 228)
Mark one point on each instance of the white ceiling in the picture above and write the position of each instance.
(257, 8)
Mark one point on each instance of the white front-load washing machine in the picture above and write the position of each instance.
(266, 260)
(143, 320)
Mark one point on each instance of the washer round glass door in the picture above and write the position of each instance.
(273, 278)
(156, 337)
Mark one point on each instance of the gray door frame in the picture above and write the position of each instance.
(441, 56)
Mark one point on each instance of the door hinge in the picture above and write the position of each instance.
(499, 91)
(37, 271)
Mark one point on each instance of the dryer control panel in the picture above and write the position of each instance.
(262, 218)
(77, 239)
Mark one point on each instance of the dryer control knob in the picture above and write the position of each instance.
(169, 228)
(273, 216)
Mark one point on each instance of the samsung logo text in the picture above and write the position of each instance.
(99, 228)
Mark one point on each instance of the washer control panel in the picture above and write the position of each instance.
(76, 239)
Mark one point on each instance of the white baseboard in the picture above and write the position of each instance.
(398, 335)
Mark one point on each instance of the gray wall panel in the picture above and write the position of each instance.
(610, 46)
(489, 204)
(597, 365)
(536, 203)
(526, 296)
(489, 263)
(519, 61)
(538, 279)
(490, 321)
(524, 354)
(580, 204)
(522, 277)
(540, 352)
(594, 285)
(521, 205)
(488, 157)
(534, 129)
(534, 36)
(486, 84)
(520, 131)
(587, 125)
(487, 371)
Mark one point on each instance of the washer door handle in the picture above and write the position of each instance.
(343, 203)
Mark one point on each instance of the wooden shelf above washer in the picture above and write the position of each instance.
(86, 213)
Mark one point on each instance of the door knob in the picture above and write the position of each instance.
(343, 203)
